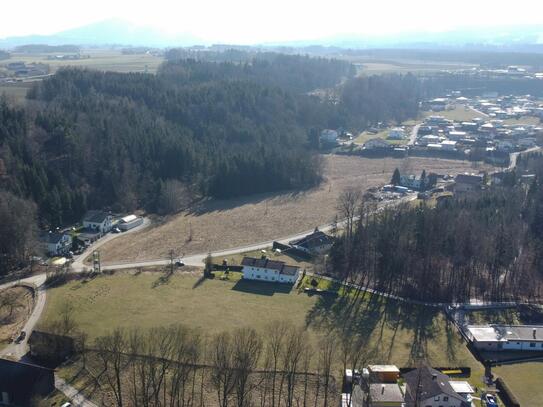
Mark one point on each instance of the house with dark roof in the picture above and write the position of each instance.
(264, 269)
(430, 388)
(56, 244)
(21, 382)
(468, 182)
(98, 221)
(315, 243)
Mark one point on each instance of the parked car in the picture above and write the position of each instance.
(490, 400)
(21, 337)
(179, 263)
(116, 230)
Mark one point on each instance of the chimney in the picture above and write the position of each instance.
(534, 332)
(434, 376)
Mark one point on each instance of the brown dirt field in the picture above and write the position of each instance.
(11, 324)
(223, 224)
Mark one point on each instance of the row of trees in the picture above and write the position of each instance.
(178, 366)
(484, 246)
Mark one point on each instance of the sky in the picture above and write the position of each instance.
(257, 21)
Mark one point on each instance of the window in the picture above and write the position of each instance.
(532, 344)
(445, 398)
(436, 398)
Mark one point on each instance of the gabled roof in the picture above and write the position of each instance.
(315, 239)
(270, 264)
(469, 179)
(52, 237)
(95, 216)
(430, 383)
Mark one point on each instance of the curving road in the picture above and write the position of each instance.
(18, 350)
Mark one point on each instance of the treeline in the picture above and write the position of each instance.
(179, 366)
(43, 48)
(484, 246)
(295, 73)
(475, 85)
(380, 98)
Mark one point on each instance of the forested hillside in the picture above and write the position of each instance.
(295, 73)
(484, 246)
(121, 141)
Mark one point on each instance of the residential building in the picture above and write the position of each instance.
(506, 337)
(329, 136)
(448, 145)
(376, 143)
(384, 373)
(397, 133)
(385, 395)
(98, 221)
(56, 244)
(410, 181)
(264, 269)
(129, 222)
(21, 382)
(468, 182)
(430, 388)
(315, 243)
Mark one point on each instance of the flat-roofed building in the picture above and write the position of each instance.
(506, 337)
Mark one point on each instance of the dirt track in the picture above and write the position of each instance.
(220, 224)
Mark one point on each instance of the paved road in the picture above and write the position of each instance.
(199, 259)
(78, 400)
(18, 350)
(414, 133)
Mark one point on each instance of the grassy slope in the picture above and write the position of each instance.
(391, 333)
(459, 113)
(365, 136)
(524, 380)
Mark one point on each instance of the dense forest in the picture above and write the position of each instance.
(487, 245)
(121, 141)
(291, 72)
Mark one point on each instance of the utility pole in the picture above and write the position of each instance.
(96, 264)
(172, 260)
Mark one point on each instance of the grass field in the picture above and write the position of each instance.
(391, 332)
(526, 120)
(365, 136)
(222, 224)
(101, 59)
(402, 66)
(524, 380)
(459, 113)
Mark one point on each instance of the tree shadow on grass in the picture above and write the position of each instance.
(376, 322)
(262, 287)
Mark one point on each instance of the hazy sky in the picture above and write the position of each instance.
(246, 21)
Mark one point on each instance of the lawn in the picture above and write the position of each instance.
(365, 136)
(459, 114)
(390, 332)
(525, 120)
(524, 380)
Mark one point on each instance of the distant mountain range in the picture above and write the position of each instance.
(107, 32)
(120, 32)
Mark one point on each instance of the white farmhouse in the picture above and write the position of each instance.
(56, 244)
(265, 269)
(396, 133)
(98, 221)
